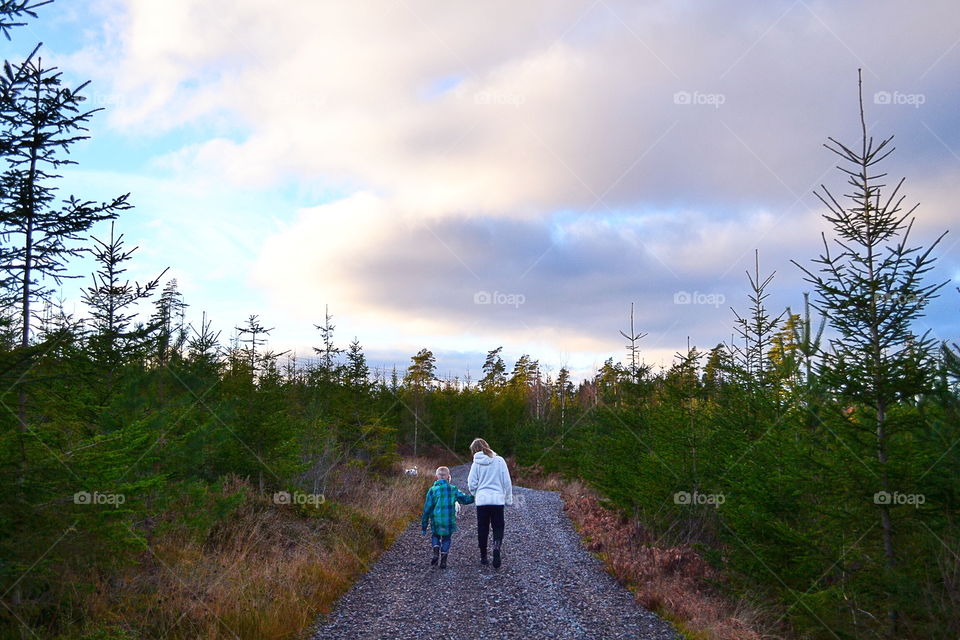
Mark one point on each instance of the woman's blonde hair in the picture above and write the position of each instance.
(479, 444)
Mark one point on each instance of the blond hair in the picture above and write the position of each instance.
(479, 444)
(443, 473)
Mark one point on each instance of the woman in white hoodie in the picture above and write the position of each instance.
(489, 482)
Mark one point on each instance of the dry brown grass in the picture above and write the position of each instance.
(673, 581)
(268, 570)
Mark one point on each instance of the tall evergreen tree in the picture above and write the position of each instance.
(421, 374)
(203, 346)
(40, 120)
(356, 371)
(170, 323)
(329, 352)
(494, 370)
(757, 328)
(633, 349)
(870, 286)
(254, 332)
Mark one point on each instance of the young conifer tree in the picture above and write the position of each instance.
(112, 301)
(40, 120)
(870, 285)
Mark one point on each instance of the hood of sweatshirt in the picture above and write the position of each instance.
(483, 459)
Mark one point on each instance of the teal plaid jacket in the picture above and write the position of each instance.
(438, 509)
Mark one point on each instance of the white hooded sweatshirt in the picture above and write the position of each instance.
(489, 480)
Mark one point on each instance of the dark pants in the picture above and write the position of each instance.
(487, 515)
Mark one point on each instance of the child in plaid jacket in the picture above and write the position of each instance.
(439, 512)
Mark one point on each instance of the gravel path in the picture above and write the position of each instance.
(548, 587)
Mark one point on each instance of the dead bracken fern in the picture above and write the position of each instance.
(266, 571)
(675, 581)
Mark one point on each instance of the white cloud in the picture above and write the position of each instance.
(583, 154)
(556, 104)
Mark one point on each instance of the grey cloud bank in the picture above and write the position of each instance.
(563, 158)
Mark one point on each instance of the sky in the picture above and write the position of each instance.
(461, 176)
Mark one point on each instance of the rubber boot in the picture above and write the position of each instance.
(436, 556)
(496, 554)
(443, 561)
(483, 555)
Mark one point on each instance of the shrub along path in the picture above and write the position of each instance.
(548, 587)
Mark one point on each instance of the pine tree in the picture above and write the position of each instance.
(564, 393)
(169, 320)
(494, 370)
(421, 374)
(254, 330)
(633, 349)
(807, 341)
(756, 329)
(203, 347)
(112, 301)
(329, 351)
(40, 120)
(717, 369)
(871, 290)
(356, 371)
(523, 370)
(609, 381)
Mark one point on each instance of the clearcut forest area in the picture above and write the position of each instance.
(266, 268)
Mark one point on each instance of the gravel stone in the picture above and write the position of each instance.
(548, 587)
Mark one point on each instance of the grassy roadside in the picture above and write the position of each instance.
(259, 570)
(673, 581)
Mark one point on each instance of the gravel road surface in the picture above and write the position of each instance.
(548, 587)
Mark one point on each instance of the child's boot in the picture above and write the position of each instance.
(483, 555)
(496, 554)
(443, 561)
(436, 555)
